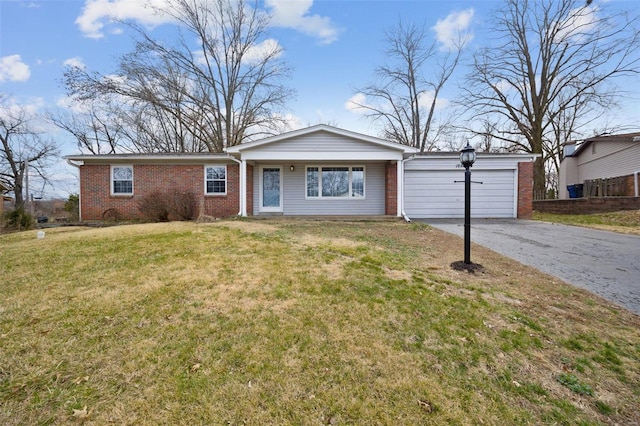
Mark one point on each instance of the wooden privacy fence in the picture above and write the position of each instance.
(607, 187)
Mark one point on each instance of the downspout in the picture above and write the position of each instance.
(77, 166)
(242, 189)
(404, 215)
(635, 182)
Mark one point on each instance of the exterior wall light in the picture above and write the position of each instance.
(291, 167)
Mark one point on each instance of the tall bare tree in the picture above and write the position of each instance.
(221, 92)
(404, 99)
(94, 126)
(22, 149)
(553, 62)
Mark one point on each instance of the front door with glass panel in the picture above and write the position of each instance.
(271, 191)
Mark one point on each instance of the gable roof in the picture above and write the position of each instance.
(624, 137)
(322, 128)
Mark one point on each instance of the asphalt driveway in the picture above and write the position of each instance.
(605, 263)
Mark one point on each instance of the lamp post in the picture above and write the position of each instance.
(467, 158)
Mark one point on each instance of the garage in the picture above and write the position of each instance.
(434, 187)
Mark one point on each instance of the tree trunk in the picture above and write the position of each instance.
(17, 194)
(539, 176)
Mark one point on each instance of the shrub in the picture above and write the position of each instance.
(18, 220)
(111, 215)
(154, 207)
(169, 205)
(72, 206)
(182, 204)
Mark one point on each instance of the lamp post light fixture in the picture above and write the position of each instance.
(467, 158)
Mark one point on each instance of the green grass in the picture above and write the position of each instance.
(299, 322)
(627, 221)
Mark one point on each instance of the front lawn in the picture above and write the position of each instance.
(627, 221)
(300, 322)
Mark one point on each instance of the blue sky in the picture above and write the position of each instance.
(332, 47)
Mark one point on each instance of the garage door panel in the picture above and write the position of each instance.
(433, 193)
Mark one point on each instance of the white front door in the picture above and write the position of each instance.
(270, 189)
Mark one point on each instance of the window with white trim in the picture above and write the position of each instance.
(121, 180)
(335, 182)
(215, 180)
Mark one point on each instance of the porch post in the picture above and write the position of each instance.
(243, 188)
(400, 184)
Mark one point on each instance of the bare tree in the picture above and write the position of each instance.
(553, 63)
(224, 91)
(405, 98)
(94, 126)
(22, 148)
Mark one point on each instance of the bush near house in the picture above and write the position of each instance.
(18, 220)
(162, 206)
(72, 206)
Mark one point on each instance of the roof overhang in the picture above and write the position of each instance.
(186, 158)
(626, 137)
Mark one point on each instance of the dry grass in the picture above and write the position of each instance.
(300, 322)
(625, 222)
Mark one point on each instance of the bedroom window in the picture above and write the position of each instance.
(215, 178)
(121, 180)
(335, 182)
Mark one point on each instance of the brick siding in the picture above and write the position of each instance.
(587, 205)
(391, 189)
(525, 190)
(630, 186)
(96, 199)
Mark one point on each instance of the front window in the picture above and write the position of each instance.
(335, 182)
(357, 181)
(215, 180)
(122, 180)
(312, 181)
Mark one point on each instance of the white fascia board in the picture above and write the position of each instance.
(150, 158)
(322, 156)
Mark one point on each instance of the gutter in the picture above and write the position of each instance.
(402, 212)
(77, 166)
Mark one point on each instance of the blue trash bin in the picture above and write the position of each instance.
(573, 191)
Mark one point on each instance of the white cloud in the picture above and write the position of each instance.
(293, 122)
(13, 69)
(580, 21)
(295, 15)
(13, 107)
(96, 14)
(260, 51)
(75, 62)
(453, 31)
(356, 102)
(72, 104)
(426, 98)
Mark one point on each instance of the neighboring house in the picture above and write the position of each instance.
(320, 170)
(602, 157)
(3, 198)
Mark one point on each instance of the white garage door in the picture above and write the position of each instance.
(433, 193)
